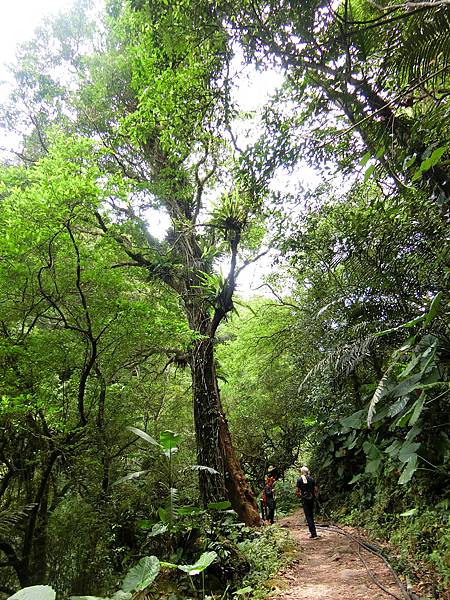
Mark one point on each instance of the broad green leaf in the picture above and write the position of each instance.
(134, 475)
(242, 591)
(163, 515)
(403, 419)
(417, 174)
(433, 159)
(398, 406)
(35, 592)
(365, 159)
(408, 450)
(142, 575)
(371, 450)
(158, 529)
(144, 436)
(393, 449)
(145, 524)
(169, 441)
(189, 510)
(224, 505)
(203, 563)
(381, 150)
(382, 413)
(408, 385)
(409, 513)
(368, 172)
(374, 458)
(412, 433)
(354, 421)
(434, 308)
(418, 407)
(351, 440)
(409, 470)
(409, 367)
(168, 565)
(373, 466)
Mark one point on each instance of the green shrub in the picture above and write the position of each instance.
(267, 552)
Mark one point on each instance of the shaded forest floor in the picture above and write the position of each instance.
(330, 568)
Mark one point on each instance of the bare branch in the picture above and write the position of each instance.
(278, 297)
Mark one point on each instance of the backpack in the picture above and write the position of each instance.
(305, 489)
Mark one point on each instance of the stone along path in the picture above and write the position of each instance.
(330, 568)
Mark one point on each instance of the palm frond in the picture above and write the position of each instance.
(9, 519)
(343, 360)
(423, 48)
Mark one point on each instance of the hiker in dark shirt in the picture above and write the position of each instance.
(268, 496)
(306, 490)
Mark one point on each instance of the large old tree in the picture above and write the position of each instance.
(156, 97)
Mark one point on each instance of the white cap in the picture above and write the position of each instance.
(304, 470)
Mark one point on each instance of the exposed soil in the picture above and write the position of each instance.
(330, 568)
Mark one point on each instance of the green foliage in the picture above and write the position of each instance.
(202, 563)
(142, 575)
(35, 592)
(419, 534)
(98, 316)
(266, 553)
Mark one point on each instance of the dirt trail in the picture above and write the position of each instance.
(329, 568)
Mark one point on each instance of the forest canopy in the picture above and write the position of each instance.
(142, 396)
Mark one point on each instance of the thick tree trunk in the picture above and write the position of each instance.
(207, 422)
(214, 445)
(239, 492)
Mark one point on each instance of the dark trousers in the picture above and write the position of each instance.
(270, 510)
(308, 508)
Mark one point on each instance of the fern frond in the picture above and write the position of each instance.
(172, 506)
(379, 392)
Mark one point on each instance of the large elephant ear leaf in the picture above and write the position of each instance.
(434, 308)
(409, 470)
(203, 563)
(141, 575)
(169, 441)
(35, 592)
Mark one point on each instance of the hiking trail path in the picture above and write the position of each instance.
(330, 568)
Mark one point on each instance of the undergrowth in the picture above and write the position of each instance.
(419, 532)
(266, 553)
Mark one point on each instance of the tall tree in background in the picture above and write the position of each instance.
(156, 96)
(73, 327)
(358, 63)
